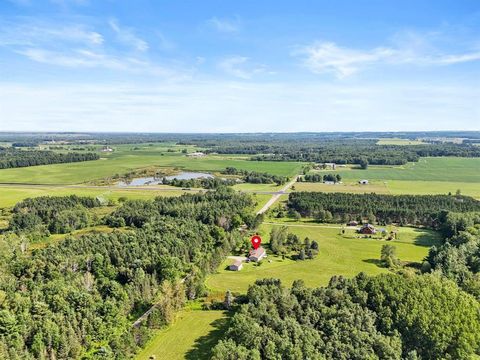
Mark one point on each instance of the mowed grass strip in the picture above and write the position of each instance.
(192, 336)
(338, 255)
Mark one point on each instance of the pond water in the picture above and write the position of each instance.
(185, 175)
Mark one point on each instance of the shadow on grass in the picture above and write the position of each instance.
(377, 262)
(427, 239)
(204, 344)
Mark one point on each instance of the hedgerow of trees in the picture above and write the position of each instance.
(13, 158)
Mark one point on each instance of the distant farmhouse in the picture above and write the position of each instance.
(107, 149)
(236, 266)
(196, 154)
(367, 229)
(363, 182)
(257, 254)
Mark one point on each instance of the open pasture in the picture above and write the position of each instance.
(338, 254)
(397, 141)
(192, 336)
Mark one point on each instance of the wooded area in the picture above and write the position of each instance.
(13, 158)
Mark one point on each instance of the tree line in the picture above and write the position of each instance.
(383, 317)
(205, 183)
(14, 158)
(377, 208)
(78, 298)
(254, 177)
(320, 178)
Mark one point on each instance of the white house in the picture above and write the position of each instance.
(257, 254)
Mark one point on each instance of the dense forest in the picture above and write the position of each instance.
(459, 257)
(376, 208)
(254, 177)
(79, 298)
(383, 317)
(13, 158)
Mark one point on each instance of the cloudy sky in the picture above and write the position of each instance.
(239, 66)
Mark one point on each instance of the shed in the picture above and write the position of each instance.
(363, 182)
(236, 266)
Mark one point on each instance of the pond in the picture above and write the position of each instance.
(185, 175)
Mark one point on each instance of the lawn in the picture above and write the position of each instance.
(192, 336)
(125, 159)
(339, 255)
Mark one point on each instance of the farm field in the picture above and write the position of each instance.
(448, 169)
(192, 336)
(338, 255)
(125, 159)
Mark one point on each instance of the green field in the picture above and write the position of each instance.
(450, 169)
(192, 336)
(125, 159)
(339, 255)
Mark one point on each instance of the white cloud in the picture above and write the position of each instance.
(128, 37)
(328, 57)
(240, 67)
(224, 25)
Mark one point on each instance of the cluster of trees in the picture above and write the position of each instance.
(205, 183)
(254, 177)
(282, 243)
(320, 178)
(13, 158)
(383, 317)
(384, 209)
(78, 298)
(55, 214)
(459, 257)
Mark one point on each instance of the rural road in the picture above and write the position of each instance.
(311, 226)
(277, 195)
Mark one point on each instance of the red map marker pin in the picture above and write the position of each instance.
(256, 241)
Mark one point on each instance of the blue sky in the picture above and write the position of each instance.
(239, 66)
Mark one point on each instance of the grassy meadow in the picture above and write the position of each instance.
(338, 255)
(192, 336)
(397, 141)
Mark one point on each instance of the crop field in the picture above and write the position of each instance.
(192, 336)
(125, 159)
(338, 255)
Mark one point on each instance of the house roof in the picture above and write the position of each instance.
(257, 252)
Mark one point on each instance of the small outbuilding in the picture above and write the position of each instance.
(236, 266)
(353, 223)
(196, 154)
(257, 254)
(363, 182)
